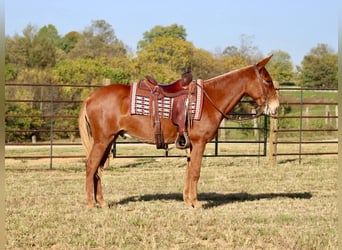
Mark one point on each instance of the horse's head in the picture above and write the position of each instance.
(261, 88)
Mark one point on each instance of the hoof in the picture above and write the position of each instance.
(188, 204)
(196, 204)
(187, 201)
(91, 204)
(193, 204)
(102, 204)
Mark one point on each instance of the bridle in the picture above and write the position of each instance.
(261, 81)
(260, 107)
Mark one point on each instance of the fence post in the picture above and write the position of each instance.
(307, 114)
(273, 141)
(336, 113)
(255, 125)
(327, 114)
(51, 123)
(273, 134)
(106, 81)
(223, 131)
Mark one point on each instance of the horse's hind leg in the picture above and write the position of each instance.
(98, 195)
(94, 160)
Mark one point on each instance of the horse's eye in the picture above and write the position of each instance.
(269, 81)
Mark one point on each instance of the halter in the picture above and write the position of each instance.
(260, 111)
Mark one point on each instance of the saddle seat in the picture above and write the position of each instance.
(178, 87)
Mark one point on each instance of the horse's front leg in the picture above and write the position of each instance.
(187, 183)
(192, 175)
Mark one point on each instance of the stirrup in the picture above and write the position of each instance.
(182, 141)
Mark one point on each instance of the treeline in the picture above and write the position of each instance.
(96, 53)
(42, 55)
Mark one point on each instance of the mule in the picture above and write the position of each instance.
(105, 115)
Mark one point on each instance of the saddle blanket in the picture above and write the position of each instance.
(141, 104)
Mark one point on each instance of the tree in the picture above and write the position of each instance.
(234, 62)
(88, 71)
(172, 31)
(69, 41)
(33, 49)
(319, 68)
(174, 53)
(49, 31)
(204, 65)
(10, 72)
(161, 72)
(231, 51)
(234, 57)
(19, 48)
(98, 40)
(44, 47)
(102, 30)
(246, 52)
(280, 67)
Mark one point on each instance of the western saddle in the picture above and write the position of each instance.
(180, 90)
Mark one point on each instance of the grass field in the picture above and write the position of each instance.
(247, 204)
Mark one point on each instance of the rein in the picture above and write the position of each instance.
(258, 114)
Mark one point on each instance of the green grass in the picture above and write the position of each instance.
(308, 95)
(247, 204)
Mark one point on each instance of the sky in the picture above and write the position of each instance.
(293, 26)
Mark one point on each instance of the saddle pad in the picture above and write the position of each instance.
(196, 106)
(140, 103)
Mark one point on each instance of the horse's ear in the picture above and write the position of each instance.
(263, 62)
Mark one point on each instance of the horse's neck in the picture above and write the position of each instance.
(226, 91)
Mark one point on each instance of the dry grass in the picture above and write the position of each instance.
(247, 204)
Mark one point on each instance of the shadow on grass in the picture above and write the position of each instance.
(214, 199)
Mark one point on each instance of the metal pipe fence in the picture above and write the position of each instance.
(318, 126)
(279, 132)
(50, 103)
